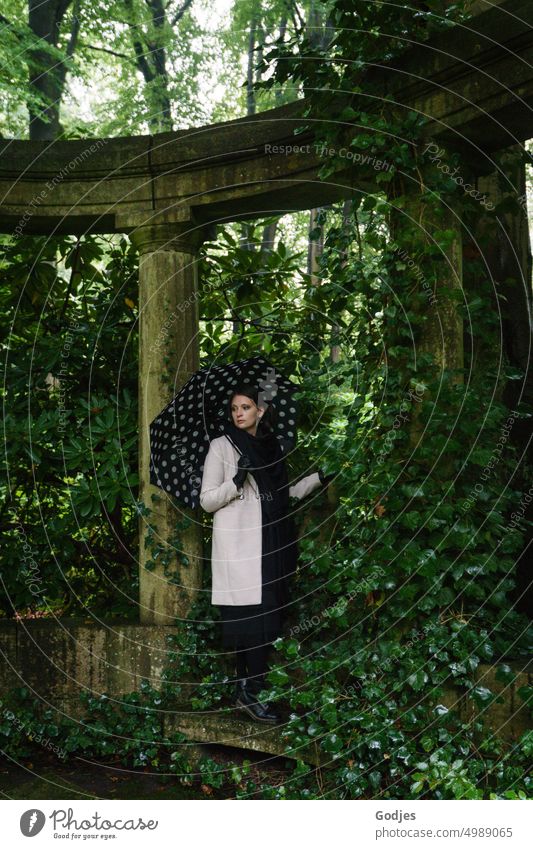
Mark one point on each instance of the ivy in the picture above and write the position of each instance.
(365, 683)
(407, 589)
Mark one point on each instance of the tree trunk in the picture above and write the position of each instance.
(282, 33)
(269, 236)
(151, 58)
(46, 75)
(250, 92)
(246, 237)
(314, 247)
(161, 119)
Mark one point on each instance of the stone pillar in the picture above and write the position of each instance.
(414, 229)
(168, 356)
(501, 245)
(500, 262)
(442, 334)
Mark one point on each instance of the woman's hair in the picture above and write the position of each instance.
(268, 420)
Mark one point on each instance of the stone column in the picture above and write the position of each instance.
(500, 244)
(442, 334)
(414, 229)
(168, 356)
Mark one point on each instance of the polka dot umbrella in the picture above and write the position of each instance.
(180, 435)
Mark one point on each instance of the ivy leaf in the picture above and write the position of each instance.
(418, 679)
(481, 695)
(505, 674)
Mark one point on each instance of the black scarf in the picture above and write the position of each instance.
(268, 466)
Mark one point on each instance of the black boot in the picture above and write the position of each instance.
(246, 700)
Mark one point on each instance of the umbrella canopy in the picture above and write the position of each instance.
(180, 435)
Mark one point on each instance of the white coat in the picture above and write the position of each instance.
(237, 528)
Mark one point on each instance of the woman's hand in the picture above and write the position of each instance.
(242, 470)
(325, 479)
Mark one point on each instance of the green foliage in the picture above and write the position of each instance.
(130, 727)
(69, 478)
(415, 591)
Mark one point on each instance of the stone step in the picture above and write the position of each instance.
(227, 728)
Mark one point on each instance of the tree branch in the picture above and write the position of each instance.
(106, 50)
(180, 13)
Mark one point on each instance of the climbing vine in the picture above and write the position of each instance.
(406, 589)
(413, 592)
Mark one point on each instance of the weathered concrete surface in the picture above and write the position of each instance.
(509, 718)
(168, 357)
(226, 728)
(473, 83)
(220, 171)
(56, 660)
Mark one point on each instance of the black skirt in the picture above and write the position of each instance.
(249, 625)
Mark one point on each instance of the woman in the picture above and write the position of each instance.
(254, 547)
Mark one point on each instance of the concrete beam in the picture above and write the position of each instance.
(474, 83)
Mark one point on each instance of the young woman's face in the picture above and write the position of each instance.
(246, 414)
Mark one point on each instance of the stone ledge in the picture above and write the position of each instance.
(226, 728)
(56, 660)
